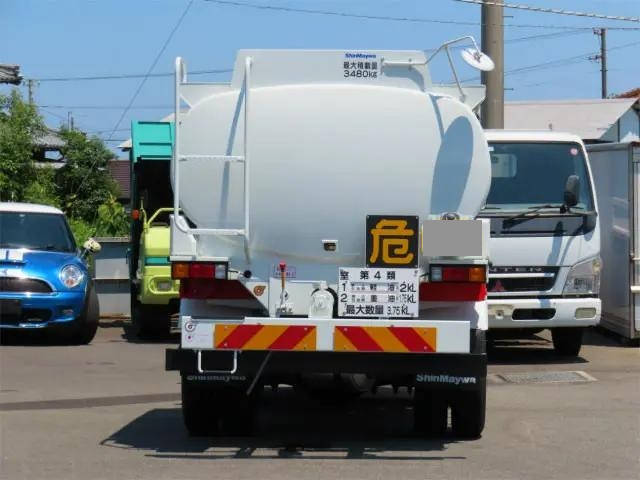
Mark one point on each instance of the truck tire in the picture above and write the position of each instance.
(567, 341)
(84, 328)
(430, 410)
(198, 410)
(468, 411)
(149, 322)
(210, 411)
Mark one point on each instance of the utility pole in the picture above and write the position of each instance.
(30, 84)
(492, 111)
(602, 58)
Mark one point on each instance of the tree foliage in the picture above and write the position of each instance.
(20, 126)
(84, 182)
(82, 188)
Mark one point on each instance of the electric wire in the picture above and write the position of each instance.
(557, 11)
(334, 13)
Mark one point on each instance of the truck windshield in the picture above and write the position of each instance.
(35, 231)
(529, 175)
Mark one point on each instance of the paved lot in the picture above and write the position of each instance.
(109, 410)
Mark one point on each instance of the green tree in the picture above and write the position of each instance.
(112, 219)
(84, 183)
(43, 189)
(20, 126)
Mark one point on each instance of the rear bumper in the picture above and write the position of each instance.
(466, 371)
(508, 312)
(39, 311)
(234, 351)
(417, 336)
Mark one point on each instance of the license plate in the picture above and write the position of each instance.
(164, 286)
(378, 292)
(10, 308)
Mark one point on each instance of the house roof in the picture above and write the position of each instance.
(120, 171)
(589, 119)
(49, 140)
(634, 93)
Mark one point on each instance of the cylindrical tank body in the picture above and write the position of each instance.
(322, 157)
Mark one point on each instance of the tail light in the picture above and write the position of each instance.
(455, 283)
(466, 273)
(213, 270)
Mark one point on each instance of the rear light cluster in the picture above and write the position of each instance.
(184, 270)
(470, 273)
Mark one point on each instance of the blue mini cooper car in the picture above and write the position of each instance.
(44, 281)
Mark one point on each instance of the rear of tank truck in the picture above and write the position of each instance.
(359, 289)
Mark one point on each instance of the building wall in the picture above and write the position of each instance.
(626, 129)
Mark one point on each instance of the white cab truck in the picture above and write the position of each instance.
(324, 226)
(545, 237)
(616, 173)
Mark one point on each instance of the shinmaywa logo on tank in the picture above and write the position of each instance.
(360, 65)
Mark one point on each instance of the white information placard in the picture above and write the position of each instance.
(378, 292)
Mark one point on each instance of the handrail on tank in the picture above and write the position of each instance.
(444, 46)
(181, 78)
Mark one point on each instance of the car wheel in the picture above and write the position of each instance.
(86, 325)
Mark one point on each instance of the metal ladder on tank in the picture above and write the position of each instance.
(180, 79)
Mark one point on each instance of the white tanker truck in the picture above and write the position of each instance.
(324, 225)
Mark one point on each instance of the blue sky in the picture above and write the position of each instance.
(69, 38)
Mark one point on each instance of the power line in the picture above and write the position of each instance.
(560, 62)
(153, 64)
(135, 95)
(557, 11)
(108, 107)
(547, 36)
(258, 6)
(127, 76)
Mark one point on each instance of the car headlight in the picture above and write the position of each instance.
(71, 276)
(584, 278)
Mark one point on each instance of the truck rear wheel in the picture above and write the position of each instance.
(567, 341)
(149, 321)
(210, 411)
(430, 411)
(468, 410)
(198, 410)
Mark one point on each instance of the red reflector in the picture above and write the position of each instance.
(455, 274)
(200, 288)
(453, 292)
(201, 270)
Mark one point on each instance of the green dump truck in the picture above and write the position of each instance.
(154, 295)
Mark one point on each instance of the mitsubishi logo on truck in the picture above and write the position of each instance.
(392, 241)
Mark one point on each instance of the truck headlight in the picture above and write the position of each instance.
(71, 276)
(584, 278)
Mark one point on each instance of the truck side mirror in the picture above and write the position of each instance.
(572, 191)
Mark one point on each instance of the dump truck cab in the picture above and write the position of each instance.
(154, 294)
